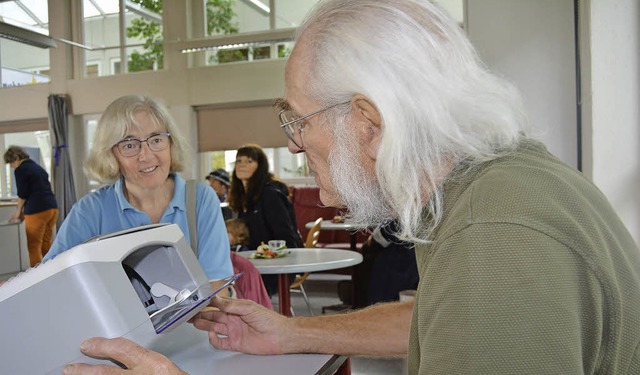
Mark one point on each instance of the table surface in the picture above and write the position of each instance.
(189, 348)
(330, 225)
(306, 260)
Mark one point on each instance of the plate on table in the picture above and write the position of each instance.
(270, 254)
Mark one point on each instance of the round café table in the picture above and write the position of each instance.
(301, 260)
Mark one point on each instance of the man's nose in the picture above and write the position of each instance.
(293, 148)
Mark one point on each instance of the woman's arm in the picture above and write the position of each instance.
(18, 215)
(213, 243)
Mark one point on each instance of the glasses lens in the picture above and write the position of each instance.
(158, 142)
(287, 116)
(129, 147)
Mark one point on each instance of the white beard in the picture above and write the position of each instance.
(358, 190)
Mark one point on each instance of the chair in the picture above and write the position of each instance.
(310, 242)
(250, 285)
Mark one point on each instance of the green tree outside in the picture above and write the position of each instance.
(220, 17)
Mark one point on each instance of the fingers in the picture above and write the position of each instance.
(129, 354)
(122, 350)
(220, 342)
(81, 368)
(235, 306)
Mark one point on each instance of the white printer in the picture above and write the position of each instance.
(137, 283)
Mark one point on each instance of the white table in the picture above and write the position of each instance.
(301, 260)
(189, 348)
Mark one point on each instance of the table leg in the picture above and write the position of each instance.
(355, 300)
(353, 241)
(284, 295)
(345, 369)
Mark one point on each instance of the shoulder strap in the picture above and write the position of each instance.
(191, 215)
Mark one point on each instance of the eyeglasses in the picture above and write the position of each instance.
(129, 147)
(288, 119)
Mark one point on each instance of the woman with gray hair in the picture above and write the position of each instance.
(137, 152)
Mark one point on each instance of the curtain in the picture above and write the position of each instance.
(63, 186)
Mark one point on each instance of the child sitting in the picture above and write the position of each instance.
(238, 233)
(250, 285)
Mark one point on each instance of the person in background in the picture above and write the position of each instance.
(137, 152)
(250, 285)
(219, 181)
(525, 267)
(262, 201)
(36, 202)
(388, 266)
(238, 234)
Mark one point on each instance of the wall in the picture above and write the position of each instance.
(531, 43)
(613, 90)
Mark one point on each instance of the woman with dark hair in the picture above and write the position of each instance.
(262, 201)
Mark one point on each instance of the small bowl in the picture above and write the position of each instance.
(275, 245)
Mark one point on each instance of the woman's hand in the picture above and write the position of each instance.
(16, 217)
(243, 326)
(135, 358)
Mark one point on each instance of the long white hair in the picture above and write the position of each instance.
(439, 105)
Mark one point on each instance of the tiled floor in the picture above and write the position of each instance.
(322, 291)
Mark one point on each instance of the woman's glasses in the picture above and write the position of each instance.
(129, 147)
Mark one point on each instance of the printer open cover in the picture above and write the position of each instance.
(137, 283)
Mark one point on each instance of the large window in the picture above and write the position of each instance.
(292, 168)
(252, 16)
(38, 146)
(20, 63)
(141, 31)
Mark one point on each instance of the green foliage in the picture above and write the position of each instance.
(220, 15)
(219, 20)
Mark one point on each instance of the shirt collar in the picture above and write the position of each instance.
(178, 201)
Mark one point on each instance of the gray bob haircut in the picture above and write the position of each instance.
(116, 122)
(440, 106)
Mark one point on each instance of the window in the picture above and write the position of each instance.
(251, 16)
(292, 168)
(142, 30)
(20, 63)
(38, 146)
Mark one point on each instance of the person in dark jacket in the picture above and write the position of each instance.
(36, 202)
(262, 201)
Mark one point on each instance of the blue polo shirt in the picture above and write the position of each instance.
(106, 210)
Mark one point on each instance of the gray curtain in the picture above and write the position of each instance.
(63, 186)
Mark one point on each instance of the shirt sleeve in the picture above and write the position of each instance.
(213, 243)
(500, 298)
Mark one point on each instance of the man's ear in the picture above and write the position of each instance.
(369, 124)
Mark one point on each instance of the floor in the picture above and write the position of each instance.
(322, 291)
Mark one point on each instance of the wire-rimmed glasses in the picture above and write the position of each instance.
(129, 147)
(289, 119)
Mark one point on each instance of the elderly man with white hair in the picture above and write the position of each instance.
(524, 265)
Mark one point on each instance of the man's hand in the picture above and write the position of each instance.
(244, 326)
(135, 358)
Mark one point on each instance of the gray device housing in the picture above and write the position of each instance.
(85, 292)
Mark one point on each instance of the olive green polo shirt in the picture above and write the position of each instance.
(530, 272)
